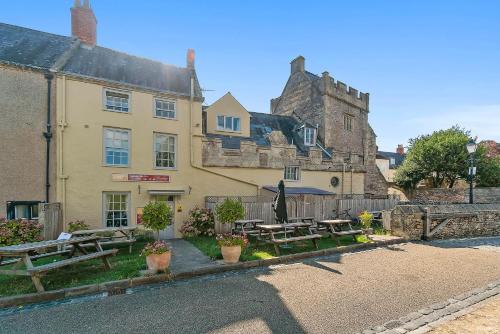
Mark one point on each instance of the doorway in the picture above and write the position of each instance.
(169, 232)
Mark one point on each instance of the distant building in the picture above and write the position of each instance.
(388, 162)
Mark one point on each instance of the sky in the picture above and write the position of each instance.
(427, 65)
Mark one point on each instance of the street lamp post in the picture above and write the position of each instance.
(471, 148)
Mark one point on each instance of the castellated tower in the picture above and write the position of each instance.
(341, 114)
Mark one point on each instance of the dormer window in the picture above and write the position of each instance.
(309, 136)
(228, 123)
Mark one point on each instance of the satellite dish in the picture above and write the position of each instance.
(334, 181)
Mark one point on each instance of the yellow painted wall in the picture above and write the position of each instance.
(82, 154)
(228, 106)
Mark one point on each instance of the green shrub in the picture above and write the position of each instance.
(366, 218)
(157, 216)
(200, 222)
(13, 232)
(229, 211)
(77, 226)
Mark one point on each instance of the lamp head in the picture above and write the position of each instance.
(471, 146)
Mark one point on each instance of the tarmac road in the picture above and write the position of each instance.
(336, 294)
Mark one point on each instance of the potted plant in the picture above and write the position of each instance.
(157, 216)
(157, 255)
(229, 211)
(366, 218)
(230, 246)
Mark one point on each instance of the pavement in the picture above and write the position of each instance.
(186, 257)
(345, 293)
(483, 320)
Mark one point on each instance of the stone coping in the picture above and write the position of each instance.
(120, 286)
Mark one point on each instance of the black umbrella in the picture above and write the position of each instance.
(280, 204)
(280, 208)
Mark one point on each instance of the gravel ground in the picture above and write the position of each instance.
(484, 320)
(337, 294)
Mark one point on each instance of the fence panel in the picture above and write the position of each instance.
(50, 216)
(261, 208)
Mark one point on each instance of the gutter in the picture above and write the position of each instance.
(48, 135)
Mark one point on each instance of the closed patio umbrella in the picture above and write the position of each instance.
(280, 208)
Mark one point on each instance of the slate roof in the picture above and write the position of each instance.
(300, 190)
(399, 158)
(261, 125)
(103, 63)
(32, 48)
(27, 47)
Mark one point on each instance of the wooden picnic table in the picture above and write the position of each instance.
(301, 219)
(272, 229)
(28, 252)
(339, 227)
(247, 226)
(126, 234)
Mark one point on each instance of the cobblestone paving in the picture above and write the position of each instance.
(484, 320)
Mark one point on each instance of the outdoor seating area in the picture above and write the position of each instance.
(27, 253)
(110, 236)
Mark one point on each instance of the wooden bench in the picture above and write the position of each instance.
(335, 229)
(125, 236)
(63, 263)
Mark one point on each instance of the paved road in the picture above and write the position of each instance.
(338, 294)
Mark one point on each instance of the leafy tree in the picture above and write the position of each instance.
(157, 216)
(442, 158)
(488, 171)
(229, 211)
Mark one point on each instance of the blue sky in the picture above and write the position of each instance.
(427, 64)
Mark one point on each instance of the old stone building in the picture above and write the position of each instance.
(340, 114)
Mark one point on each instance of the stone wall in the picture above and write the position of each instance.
(463, 221)
(455, 195)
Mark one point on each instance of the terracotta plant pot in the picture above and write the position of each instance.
(231, 254)
(158, 262)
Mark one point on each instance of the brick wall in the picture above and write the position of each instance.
(464, 220)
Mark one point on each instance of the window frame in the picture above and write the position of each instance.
(104, 160)
(348, 121)
(175, 150)
(155, 115)
(104, 207)
(117, 91)
(285, 174)
(313, 143)
(224, 128)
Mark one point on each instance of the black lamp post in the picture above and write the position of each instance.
(471, 148)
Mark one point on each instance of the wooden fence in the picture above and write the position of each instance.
(50, 216)
(261, 208)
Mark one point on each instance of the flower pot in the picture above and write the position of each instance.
(158, 262)
(231, 254)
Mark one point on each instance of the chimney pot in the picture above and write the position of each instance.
(298, 64)
(83, 22)
(400, 149)
(190, 58)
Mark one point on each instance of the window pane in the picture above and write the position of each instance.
(164, 151)
(220, 122)
(229, 123)
(236, 124)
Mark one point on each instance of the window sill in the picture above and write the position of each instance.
(165, 168)
(116, 111)
(116, 166)
(168, 119)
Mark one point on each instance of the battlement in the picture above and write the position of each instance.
(344, 92)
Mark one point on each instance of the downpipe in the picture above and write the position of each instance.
(48, 136)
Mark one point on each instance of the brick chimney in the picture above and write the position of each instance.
(400, 149)
(190, 59)
(298, 64)
(83, 22)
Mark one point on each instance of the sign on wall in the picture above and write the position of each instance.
(140, 178)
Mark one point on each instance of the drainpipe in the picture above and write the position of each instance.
(191, 160)
(48, 136)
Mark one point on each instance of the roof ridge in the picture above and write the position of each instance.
(36, 30)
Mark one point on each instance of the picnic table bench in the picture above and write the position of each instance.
(28, 252)
(125, 236)
(272, 229)
(339, 227)
(247, 226)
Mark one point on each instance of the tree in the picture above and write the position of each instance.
(488, 171)
(157, 216)
(442, 158)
